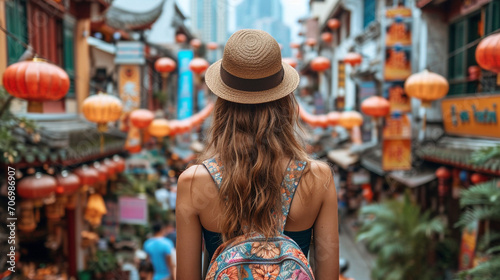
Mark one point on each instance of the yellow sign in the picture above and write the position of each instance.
(400, 11)
(472, 116)
(396, 154)
(129, 88)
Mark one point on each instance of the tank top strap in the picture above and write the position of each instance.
(289, 185)
(215, 170)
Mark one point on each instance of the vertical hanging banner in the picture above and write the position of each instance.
(185, 86)
(129, 88)
(396, 146)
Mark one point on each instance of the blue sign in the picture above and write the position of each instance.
(185, 86)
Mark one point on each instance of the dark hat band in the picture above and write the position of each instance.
(251, 84)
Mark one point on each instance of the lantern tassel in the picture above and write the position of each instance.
(101, 136)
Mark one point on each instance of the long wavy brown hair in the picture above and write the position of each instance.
(251, 141)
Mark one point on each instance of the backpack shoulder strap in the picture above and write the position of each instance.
(290, 183)
(215, 170)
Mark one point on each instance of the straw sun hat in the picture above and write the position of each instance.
(251, 70)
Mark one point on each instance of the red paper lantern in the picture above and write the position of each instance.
(353, 59)
(36, 186)
(102, 172)
(290, 61)
(443, 173)
(195, 43)
(212, 46)
(333, 23)
(477, 178)
(67, 183)
(165, 65)
(88, 176)
(320, 64)
(119, 163)
(327, 37)
(376, 106)
(141, 118)
(474, 72)
(322, 121)
(488, 53)
(174, 127)
(333, 118)
(350, 119)
(198, 65)
(111, 165)
(294, 45)
(311, 42)
(36, 80)
(180, 38)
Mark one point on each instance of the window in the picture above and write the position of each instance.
(369, 12)
(15, 13)
(69, 53)
(464, 36)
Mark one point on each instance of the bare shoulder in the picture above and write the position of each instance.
(192, 176)
(319, 177)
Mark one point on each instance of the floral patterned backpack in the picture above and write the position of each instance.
(243, 257)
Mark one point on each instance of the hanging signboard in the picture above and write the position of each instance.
(395, 93)
(133, 210)
(185, 85)
(472, 116)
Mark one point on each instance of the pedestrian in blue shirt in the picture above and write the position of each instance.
(160, 253)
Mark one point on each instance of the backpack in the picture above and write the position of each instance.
(251, 256)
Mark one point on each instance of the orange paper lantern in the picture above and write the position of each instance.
(141, 118)
(294, 45)
(290, 61)
(88, 176)
(165, 65)
(320, 64)
(333, 118)
(101, 109)
(36, 80)
(353, 59)
(198, 65)
(426, 86)
(119, 163)
(488, 53)
(375, 106)
(333, 23)
(477, 178)
(350, 119)
(159, 128)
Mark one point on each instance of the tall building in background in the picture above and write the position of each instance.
(209, 22)
(266, 15)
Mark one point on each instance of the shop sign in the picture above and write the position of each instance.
(396, 146)
(468, 246)
(396, 154)
(185, 85)
(129, 88)
(130, 53)
(400, 11)
(472, 116)
(133, 210)
(395, 93)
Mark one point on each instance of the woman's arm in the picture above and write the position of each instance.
(326, 234)
(188, 230)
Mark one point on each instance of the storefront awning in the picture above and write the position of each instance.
(412, 179)
(343, 157)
